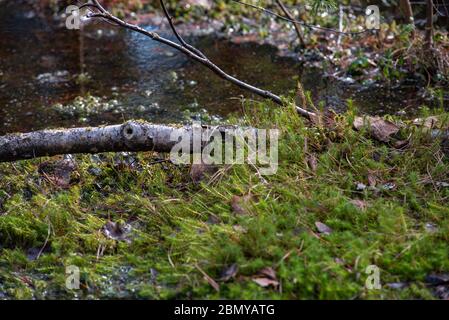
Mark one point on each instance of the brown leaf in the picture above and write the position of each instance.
(429, 122)
(362, 205)
(372, 180)
(199, 171)
(58, 172)
(329, 120)
(268, 272)
(238, 203)
(401, 144)
(312, 162)
(266, 282)
(379, 128)
(322, 228)
(117, 231)
(239, 228)
(230, 272)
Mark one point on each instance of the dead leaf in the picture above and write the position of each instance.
(429, 122)
(329, 120)
(199, 171)
(397, 285)
(389, 186)
(312, 162)
(379, 128)
(265, 282)
(238, 203)
(322, 228)
(117, 231)
(360, 186)
(442, 184)
(58, 173)
(268, 272)
(229, 272)
(362, 205)
(372, 180)
(437, 279)
(239, 228)
(401, 144)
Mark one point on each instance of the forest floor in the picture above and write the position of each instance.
(341, 201)
(137, 227)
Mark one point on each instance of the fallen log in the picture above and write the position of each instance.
(130, 136)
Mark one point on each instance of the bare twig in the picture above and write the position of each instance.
(176, 33)
(192, 53)
(295, 24)
(307, 25)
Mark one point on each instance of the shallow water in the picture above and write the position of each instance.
(44, 67)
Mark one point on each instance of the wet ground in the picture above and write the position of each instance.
(44, 67)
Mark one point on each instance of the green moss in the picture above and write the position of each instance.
(178, 226)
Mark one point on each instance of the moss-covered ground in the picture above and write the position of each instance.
(385, 206)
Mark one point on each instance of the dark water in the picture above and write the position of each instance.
(44, 67)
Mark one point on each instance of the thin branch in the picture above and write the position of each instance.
(310, 26)
(197, 56)
(295, 24)
(176, 33)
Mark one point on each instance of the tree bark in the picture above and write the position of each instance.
(130, 136)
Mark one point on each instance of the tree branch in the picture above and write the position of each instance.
(192, 53)
(295, 24)
(130, 136)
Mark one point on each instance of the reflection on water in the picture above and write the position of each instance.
(44, 65)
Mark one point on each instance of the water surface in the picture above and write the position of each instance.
(44, 67)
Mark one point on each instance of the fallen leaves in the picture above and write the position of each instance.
(199, 171)
(266, 278)
(312, 162)
(440, 284)
(362, 205)
(432, 122)
(322, 228)
(239, 204)
(58, 173)
(372, 180)
(229, 272)
(379, 128)
(117, 231)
